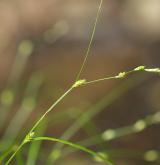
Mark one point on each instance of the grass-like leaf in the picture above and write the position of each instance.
(79, 147)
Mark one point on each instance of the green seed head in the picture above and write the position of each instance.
(29, 137)
(121, 75)
(140, 68)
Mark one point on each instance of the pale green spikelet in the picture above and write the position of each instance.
(121, 75)
(79, 83)
(140, 68)
(29, 137)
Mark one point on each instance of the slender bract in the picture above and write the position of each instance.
(79, 147)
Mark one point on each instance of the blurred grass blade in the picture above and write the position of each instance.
(25, 49)
(26, 108)
(19, 159)
(112, 134)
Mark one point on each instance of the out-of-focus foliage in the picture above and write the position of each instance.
(42, 44)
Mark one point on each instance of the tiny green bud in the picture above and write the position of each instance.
(79, 83)
(140, 68)
(121, 75)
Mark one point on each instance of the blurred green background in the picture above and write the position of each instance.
(42, 45)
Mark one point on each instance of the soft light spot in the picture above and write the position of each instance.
(140, 125)
(54, 33)
(26, 48)
(151, 155)
(109, 134)
(56, 154)
(28, 103)
(7, 97)
(156, 117)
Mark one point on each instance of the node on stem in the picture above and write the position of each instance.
(79, 83)
(29, 137)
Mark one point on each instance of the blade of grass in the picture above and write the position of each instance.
(7, 98)
(112, 134)
(79, 147)
(25, 49)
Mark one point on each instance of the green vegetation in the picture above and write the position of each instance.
(35, 134)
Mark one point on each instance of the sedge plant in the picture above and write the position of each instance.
(31, 135)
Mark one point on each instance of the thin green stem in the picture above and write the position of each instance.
(50, 108)
(98, 80)
(122, 75)
(38, 122)
(90, 42)
(12, 156)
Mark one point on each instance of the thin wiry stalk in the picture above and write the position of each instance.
(14, 153)
(91, 41)
(39, 121)
(125, 74)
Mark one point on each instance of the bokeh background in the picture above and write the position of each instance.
(42, 45)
